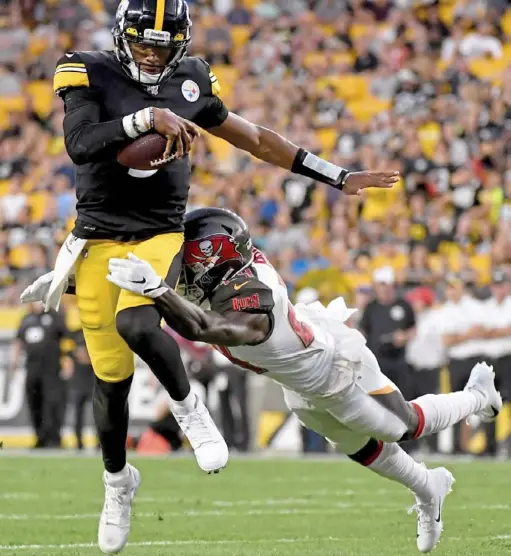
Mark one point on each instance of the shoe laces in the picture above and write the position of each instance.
(196, 427)
(116, 504)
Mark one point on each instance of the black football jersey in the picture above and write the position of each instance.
(115, 202)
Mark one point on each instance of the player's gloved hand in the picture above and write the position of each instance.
(137, 276)
(356, 182)
(38, 290)
(180, 133)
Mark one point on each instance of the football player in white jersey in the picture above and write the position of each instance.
(233, 298)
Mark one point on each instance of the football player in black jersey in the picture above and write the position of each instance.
(148, 84)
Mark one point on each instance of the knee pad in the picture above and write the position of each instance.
(114, 367)
(136, 324)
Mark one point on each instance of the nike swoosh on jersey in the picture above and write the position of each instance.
(143, 281)
(239, 286)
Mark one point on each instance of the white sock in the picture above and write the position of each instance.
(438, 412)
(186, 406)
(395, 464)
(120, 476)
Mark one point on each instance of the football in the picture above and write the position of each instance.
(144, 153)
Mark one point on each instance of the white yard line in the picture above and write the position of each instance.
(184, 513)
(332, 510)
(170, 543)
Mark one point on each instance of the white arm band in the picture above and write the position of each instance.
(138, 123)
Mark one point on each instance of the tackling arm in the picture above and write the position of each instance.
(194, 324)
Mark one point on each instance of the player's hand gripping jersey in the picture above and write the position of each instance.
(115, 202)
(308, 350)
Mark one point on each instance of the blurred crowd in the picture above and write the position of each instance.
(420, 86)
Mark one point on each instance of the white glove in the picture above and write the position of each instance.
(137, 276)
(38, 290)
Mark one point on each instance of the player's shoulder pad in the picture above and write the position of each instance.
(202, 70)
(71, 72)
(243, 294)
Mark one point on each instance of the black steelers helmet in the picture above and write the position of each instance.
(217, 246)
(161, 23)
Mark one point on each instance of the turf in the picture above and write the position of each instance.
(253, 508)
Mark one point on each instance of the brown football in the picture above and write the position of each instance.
(142, 152)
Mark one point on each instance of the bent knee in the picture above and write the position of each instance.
(136, 324)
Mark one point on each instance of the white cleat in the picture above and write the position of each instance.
(429, 511)
(482, 379)
(208, 444)
(114, 523)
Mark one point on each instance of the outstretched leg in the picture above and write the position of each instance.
(391, 461)
(376, 408)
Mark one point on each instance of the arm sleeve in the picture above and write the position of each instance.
(214, 112)
(247, 295)
(87, 139)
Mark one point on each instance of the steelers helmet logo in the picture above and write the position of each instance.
(190, 90)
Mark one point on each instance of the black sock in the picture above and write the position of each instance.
(110, 405)
(140, 328)
(369, 453)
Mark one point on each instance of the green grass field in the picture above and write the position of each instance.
(50, 506)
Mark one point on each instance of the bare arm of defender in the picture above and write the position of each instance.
(193, 323)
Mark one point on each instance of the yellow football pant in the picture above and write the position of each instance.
(99, 300)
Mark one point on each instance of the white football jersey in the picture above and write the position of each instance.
(300, 353)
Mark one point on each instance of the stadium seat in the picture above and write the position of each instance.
(19, 256)
(348, 87)
(429, 135)
(488, 68)
(436, 262)
(327, 138)
(227, 77)
(41, 93)
(366, 109)
(505, 23)
(4, 187)
(10, 317)
(240, 35)
(482, 265)
(358, 30)
(446, 12)
(220, 148)
(344, 58)
(38, 202)
(95, 6)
